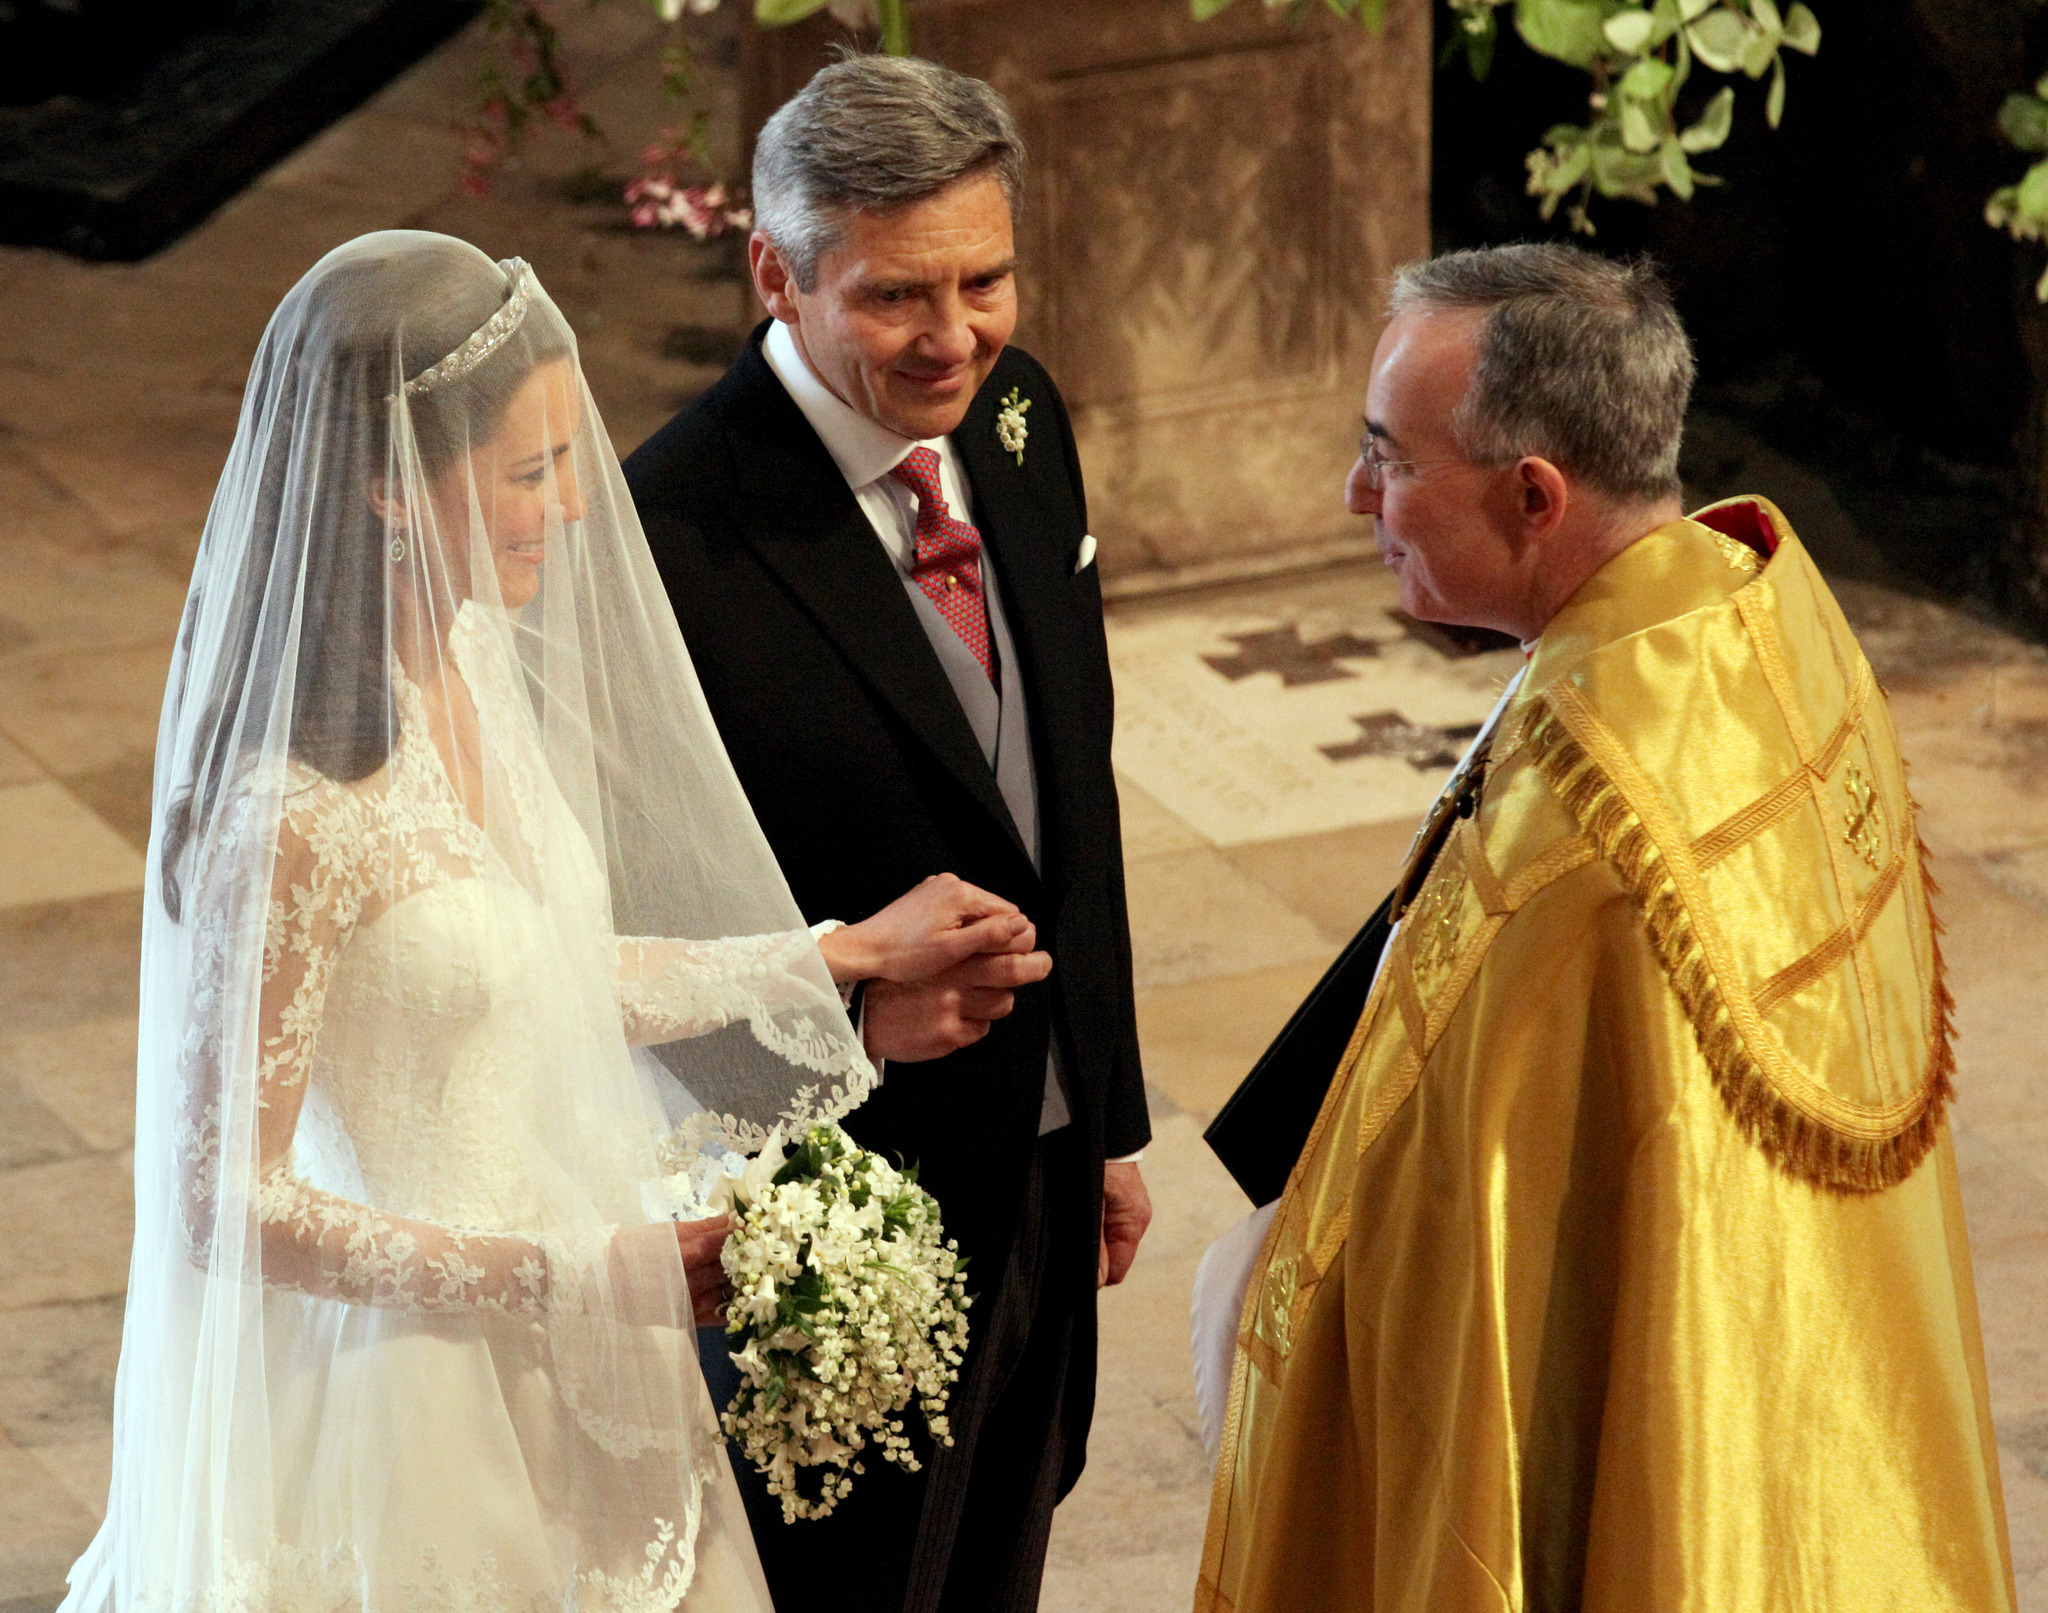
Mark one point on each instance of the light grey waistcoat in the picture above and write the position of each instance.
(1002, 727)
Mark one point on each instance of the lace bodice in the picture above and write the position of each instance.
(405, 1065)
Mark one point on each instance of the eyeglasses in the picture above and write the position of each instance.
(1376, 468)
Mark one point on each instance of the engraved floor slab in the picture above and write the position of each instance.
(1294, 708)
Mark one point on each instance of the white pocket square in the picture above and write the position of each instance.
(1086, 558)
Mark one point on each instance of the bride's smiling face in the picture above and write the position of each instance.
(525, 480)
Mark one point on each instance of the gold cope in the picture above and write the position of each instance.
(1624, 1267)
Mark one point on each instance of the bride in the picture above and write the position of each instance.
(465, 970)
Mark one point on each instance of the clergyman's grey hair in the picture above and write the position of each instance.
(1582, 361)
(874, 132)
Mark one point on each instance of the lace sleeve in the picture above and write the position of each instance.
(321, 1243)
(312, 1240)
(672, 989)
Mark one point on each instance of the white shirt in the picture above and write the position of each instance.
(866, 451)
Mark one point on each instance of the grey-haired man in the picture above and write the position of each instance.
(874, 533)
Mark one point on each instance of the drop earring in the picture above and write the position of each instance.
(400, 549)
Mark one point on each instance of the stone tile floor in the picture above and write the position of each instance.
(1254, 852)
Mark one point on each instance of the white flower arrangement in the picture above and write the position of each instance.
(852, 1303)
(1011, 431)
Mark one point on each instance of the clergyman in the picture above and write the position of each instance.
(1625, 1266)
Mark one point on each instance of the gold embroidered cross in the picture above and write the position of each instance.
(1438, 917)
(1739, 555)
(1276, 1309)
(1862, 823)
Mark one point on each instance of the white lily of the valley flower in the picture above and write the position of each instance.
(1011, 431)
(880, 1324)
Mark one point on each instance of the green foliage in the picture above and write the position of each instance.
(1372, 13)
(1641, 57)
(2021, 210)
(1569, 30)
(525, 84)
(678, 62)
(894, 18)
(2024, 118)
(891, 17)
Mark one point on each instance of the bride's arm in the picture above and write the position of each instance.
(670, 989)
(317, 1241)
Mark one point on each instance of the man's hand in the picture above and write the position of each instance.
(1126, 1213)
(937, 923)
(908, 1023)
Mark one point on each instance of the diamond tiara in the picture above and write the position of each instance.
(489, 336)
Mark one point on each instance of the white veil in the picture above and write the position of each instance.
(443, 832)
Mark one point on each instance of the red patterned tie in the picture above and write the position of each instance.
(948, 566)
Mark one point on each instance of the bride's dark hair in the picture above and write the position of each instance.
(312, 592)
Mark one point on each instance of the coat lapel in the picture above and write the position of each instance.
(1020, 534)
(802, 519)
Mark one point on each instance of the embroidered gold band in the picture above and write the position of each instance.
(1761, 813)
(1830, 953)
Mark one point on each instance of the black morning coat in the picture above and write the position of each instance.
(866, 776)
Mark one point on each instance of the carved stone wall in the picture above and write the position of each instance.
(1214, 209)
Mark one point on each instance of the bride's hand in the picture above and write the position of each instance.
(702, 1242)
(641, 1273)
(926, 931)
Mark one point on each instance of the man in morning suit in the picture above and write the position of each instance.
(875, 536)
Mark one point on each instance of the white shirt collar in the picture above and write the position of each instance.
(863, 449)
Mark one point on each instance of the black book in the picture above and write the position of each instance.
(1261, 1131)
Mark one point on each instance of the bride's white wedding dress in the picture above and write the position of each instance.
(437, 1346)
(407, 1328)
(424, 1309)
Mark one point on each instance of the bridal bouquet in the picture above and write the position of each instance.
(852, 1304)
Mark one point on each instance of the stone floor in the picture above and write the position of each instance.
(1275, 741)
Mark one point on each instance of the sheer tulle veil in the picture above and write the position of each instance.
(445, 848)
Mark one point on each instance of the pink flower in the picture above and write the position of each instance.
(703, 210)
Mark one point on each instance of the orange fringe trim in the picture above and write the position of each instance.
(1803, 1147)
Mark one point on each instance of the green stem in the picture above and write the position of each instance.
(895, 20)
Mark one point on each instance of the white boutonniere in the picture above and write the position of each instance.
(1010, 428)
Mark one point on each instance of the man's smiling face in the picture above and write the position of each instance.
(911, 310)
